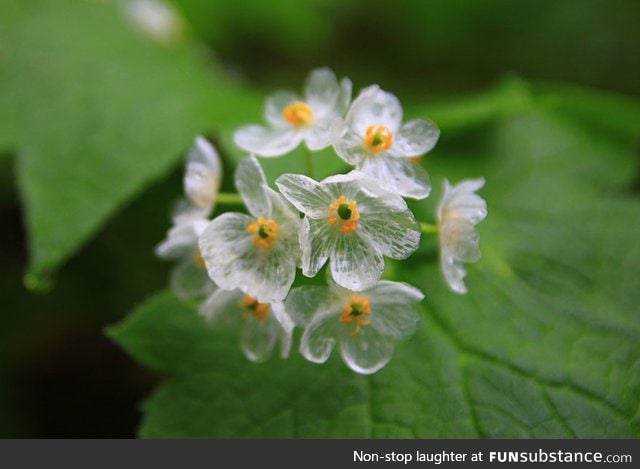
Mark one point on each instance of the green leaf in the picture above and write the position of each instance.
(96, 111)
(543, 346)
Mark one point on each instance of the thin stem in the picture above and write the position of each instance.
(309, 162)
(229, 198)
(428, 228)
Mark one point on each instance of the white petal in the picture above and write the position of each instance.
(460, 202)
(321, 92)
(222, 308)
(396, 236)
(267, 142)
(348, 143)
(319, 337)
(394, 308)
(344, 99)
(375, 107)
(354, 264)
(190, 282)
(182, 237)
(275, 106)
(315, 241)
(258, 338)
(252, 185)
(367, 351)
(415, 138)
(454, 273)
(458, 213)
(303, 302)
(305, 194)
(203, 173)
(287, 324)
(234, 261)
(398, 175)
(318, 136)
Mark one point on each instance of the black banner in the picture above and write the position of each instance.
(323, 454)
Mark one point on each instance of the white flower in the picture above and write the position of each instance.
(293, 119)
(155, 18)
(373, 138)
(263, 324)
(257, 254)
(353, 222)
(458, 212)
(364, 324)
(202, 176)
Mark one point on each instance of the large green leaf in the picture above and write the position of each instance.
(95, 111)
(544, 345)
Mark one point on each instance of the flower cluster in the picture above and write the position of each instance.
(241, 267)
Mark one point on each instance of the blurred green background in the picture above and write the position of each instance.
(59, 375)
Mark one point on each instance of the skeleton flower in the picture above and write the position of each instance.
(364, 324)
(373, 138)
(458, 212)
(353, 222)
(258, 253)
(263, 325)
(201, 181)
(293, 119)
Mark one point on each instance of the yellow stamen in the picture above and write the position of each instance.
(357, 311)
(298, 114)
(378, 138)
(259, 311)
(345, 214)
(198, 260)
(266, 232)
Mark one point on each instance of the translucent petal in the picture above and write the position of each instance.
(181, 239)
(355, 264)
(315, 240)
(267, 142)
(190, 282)
(251, 183)
(303, 302)
(234, 261)
(367, 351)
(461, 202)
(258, 338)
(398, 175)
(286, 324)
(454, 273)
(321, 92)
(344, 99)
(203, 173)
(348, 143)
(393, 308)
(386, 222)
(319, 337)
(375, 107)
(222, 308)
(460, 240)
(318, 136)
(275, 105)
(305, 194)
(415, 138)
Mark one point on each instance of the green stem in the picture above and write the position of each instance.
(428, 228)
(309, 162)
(229, 198)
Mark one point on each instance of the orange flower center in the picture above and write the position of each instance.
(345, 214)
(378, 138)
(259, 311)
(298, 114)
(266, 232)
(356, 312)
